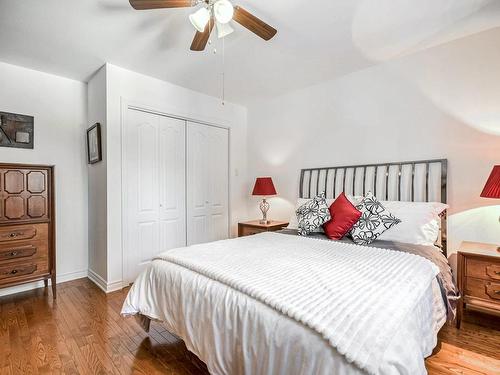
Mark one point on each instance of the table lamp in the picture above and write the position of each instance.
(264, 187)
(492, 187)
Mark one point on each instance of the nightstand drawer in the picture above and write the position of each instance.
(482, 289)
(255, 226)
(248, 231)
(478, 278)
(482, 269)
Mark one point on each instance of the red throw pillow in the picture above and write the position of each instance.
(344, 216)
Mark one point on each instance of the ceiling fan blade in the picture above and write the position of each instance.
(157, 4)
(252, 23)
(200, 39)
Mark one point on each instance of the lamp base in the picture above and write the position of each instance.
(265, 222)
(264, 207)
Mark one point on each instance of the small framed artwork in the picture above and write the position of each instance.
(16, 130)
(94, 151)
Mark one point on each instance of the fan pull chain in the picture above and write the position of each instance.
(210, 35)
(223, 72)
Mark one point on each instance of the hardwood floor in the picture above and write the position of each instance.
(82, 332)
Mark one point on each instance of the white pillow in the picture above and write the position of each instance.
(419, 222)
(293, 222)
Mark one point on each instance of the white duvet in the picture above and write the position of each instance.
(239, 315)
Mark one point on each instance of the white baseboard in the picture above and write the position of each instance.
(60, 278)
(114, 286)
(105, 286)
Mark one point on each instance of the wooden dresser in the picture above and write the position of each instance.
(478, 278)
(27, 227)
(248, 228)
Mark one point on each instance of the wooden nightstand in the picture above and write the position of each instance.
(478, 278)
(252, 227)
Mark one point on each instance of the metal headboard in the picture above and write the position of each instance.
(413, 181)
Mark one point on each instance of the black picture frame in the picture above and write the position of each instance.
(94, 148)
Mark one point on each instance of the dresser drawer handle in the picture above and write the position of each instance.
(497, 272)
(15, 234)
(13, 253)
(496, 292)
(13, 272)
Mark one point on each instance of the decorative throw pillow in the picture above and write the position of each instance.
(312, 214)
(343, 216)
(374, 220)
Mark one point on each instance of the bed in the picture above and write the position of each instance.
(277, 303)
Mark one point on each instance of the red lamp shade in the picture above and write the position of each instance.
(264, 186)
(492, 187)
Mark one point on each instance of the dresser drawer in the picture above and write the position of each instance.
(13, 272)
(14, 233)
(20, 270)
(23, 251)
(483, 289)
(482, 269)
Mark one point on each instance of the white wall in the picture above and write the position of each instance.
(59, 106)
(97, 184)
(440, 103)
(126, 86)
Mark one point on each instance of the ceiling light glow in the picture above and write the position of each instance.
(223, 11)
(200, 18)
(223, 29)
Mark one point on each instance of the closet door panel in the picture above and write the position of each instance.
(154, 173)
(197, 183)
(219, 179)
(207, 187)
(147, 172)
(172, 175)
(141, 184)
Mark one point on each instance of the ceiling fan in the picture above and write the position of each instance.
(212, 12)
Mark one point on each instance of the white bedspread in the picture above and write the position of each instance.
(375, 306)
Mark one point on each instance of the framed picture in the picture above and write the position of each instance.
(94, 152)
(16, 130)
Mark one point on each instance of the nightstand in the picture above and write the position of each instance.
(248, 228)
(478, 278)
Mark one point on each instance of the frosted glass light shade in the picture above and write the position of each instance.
(200, 18)
(223, 29)
(223, 11)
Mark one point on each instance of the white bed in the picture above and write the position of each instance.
(234, 333)
(238, 315)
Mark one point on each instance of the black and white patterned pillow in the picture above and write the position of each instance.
(312, 214)
(374, 220)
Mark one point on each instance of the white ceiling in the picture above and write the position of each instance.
(316, 40)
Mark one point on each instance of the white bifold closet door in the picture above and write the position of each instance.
(154, 170)
(207, 183)
(175, 186)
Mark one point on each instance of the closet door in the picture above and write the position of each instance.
(172, 183)
(154, 165)
(207, 183)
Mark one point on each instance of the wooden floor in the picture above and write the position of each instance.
(83, 333)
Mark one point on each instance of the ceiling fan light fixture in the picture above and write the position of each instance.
(199, 19)
(223, 29)
(223, 11)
